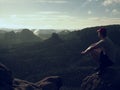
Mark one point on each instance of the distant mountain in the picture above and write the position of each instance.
(27, 36)
(5, 29)
(13, 37)
(45, 33)
(2, 31)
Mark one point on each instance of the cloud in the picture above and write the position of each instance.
(43, 19)
(90, 0)
(115, 11)
(52, 1)
(107, 10)
(104, 21)
(9, 24)
(86, 2)
(89, 12)
(41, 16)
(49, 12)
(41, 1)
(111, 20)
(13, 1)
(109, 2)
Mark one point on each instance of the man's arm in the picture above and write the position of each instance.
(88, 49)
(93, 46)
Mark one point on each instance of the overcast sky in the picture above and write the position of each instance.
(58, 14)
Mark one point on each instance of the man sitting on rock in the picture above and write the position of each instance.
(103, 50)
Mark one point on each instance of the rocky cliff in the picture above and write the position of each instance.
(109, 80)
(8, 82)
(48, 83)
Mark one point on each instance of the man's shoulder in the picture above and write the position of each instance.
(101, 41)
(105, 40)
(108, 40)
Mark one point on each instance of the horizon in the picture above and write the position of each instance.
(40, 29)
(58, 14)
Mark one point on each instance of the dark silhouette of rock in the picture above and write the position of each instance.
(7, 82)
(10, 36)
(6, 78)
(55, 38)
(26, 35)
(50, 83)
(24, 85)
(109, 80)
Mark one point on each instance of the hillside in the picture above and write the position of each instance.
(58, 55)
(8, 38)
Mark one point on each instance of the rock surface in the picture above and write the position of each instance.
(109, 80)
(7, 82)
(48, 83)
(6, 78)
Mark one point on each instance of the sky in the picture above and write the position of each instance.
(58, 14)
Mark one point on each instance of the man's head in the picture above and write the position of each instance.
(102, 32)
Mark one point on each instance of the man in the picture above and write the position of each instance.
(103, 50)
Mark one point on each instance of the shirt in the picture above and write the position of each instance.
(108, 47)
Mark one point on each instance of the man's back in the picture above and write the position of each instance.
(109, 48)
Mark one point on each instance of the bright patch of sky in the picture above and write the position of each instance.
(58, 14)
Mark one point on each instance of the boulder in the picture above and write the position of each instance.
(6, 78)
(109, 80)
(50, 83)
(7, 82)
(24, 85)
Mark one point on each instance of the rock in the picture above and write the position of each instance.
(24, 85)
(50, 83)
(6, 78)
(109, 80)
(7, 82)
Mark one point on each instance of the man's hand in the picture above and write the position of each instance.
(84, 52)
(87, 50)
